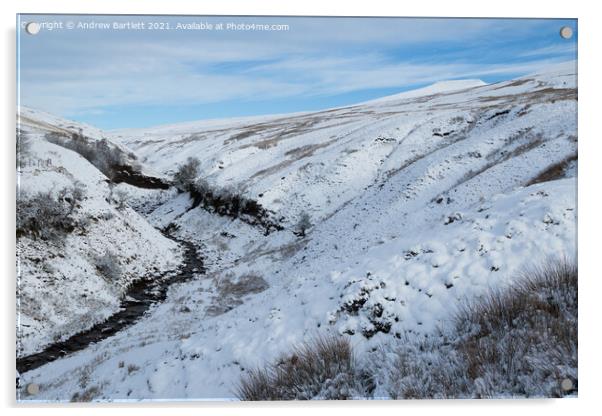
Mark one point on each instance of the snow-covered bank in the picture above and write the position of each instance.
(70, 282)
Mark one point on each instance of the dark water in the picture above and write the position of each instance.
(141, 295)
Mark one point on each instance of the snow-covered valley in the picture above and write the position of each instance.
(417, 202)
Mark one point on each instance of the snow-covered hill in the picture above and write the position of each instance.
(80, 245)
(442, 87)
(323, 160)
(117, 161)
(418, 201)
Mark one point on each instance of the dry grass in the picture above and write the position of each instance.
(323, 367)
(518, 342)
(526, 334)
(246, 284)
(553, 172)
(232, 290)
(87, 395)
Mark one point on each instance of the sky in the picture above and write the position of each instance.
(155, 72)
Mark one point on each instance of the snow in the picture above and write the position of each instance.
(40, 122)
(436, 88)
(30, 118)
(60, 289)
(418, 202)
(467, 258)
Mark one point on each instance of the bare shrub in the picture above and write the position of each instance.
(120, 198)
(23, 148)
(323, 368)
(202, 186)
(75, 143)
(230, 201)
(73, 196)
(226, 201)
(78, 192)
(303, 224)
(105, 156)
(48, 215)
(186, 174)
(108, 266)
(132, 368)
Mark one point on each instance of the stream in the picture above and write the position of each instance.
(140, 296)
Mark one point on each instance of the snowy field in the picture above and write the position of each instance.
(418, 202)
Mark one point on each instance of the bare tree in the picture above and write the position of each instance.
(185, 177)
(23, 148)
(120, 198)
(303, 224)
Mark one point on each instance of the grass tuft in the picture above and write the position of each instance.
(322, 368)
(521, 341)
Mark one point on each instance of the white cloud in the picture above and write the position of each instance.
(315, 57)
(551, 50)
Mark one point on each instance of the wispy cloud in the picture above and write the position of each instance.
(552, 50)
(88, 73)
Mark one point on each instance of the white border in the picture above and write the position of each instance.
(590, 153)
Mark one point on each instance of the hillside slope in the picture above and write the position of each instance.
(115, 161)
(79, 244)
(417, 203)
(436, 142)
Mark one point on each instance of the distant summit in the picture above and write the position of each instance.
(436, 88)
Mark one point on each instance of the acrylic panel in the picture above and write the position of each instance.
(292, 208)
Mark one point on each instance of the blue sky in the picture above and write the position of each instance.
(139, 78)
